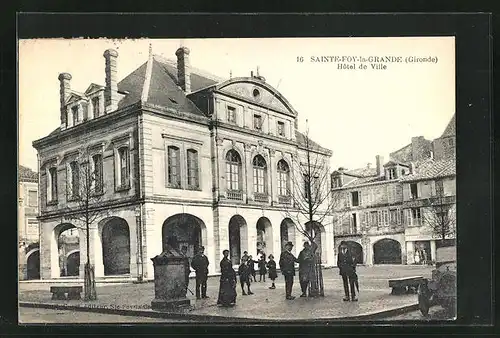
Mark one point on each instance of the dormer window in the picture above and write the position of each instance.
(74, 111)
(95, 106)
(392, 173)
(336, 182)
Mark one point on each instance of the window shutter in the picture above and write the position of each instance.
(360, 197)
(408, 216)
(379, 216)
(348, 199)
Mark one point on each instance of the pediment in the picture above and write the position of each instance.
(74, 97)
(259, 94)
(94, 88)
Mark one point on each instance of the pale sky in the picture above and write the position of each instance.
(355, 113)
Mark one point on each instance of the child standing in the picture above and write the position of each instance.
(271, 265)
(245, 273)
(262, 268)
(251, 264)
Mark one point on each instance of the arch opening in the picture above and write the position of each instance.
(33, 265)
(356, 250)
(184, 230)
(387, 251)
(115, 239)
(68, 240)
(264, 236)
(237, 238)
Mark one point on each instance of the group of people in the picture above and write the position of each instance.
(246, 271)
(420, 256)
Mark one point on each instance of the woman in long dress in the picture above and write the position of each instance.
(227, 288)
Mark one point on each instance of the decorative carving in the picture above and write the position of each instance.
(233, 142)
(260, 143)
(219, 140)
(272, 152)
(248, 146)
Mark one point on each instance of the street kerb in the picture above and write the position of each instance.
(217, 318)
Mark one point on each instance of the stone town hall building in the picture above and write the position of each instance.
(180, 157)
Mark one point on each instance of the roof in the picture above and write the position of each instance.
(301, 140)
(27, 175)
(362, 172)
(450, 128)
(163, 87)
(432, 169)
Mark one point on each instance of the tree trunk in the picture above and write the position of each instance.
(316, 286)
(89, 283)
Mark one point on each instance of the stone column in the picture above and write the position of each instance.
(247, 173)
(96, 252)
(433, 250)
(272, 177)
(410, 247)
(220, 168)
(330, 245)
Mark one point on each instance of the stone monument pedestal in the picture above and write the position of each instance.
(170, 269)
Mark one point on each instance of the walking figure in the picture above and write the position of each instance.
(347, 269)
(262, 268)
(271, 266)
(200, 266)
(245, 277)
(287, 266)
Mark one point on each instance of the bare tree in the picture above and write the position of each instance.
(312, 201)
(439, 214)
(85, 190)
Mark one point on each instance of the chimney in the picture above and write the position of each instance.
(64, 93)
(183, 69)
(379, 160)
(111, 89)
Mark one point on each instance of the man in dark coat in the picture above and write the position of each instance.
(287, 266)
(347, 269)
(200, 266)
(306, 266)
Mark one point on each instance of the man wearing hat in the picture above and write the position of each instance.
(287, 266)
(200, 266)
(347, 269)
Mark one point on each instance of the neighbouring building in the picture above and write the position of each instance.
(383, 212)
(179, 157)
(27, 223)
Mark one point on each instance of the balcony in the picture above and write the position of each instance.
(284, 199)
(261, 197)
(347, 231)
(433, 200)
(235, 195)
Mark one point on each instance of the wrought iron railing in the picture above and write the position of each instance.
(261, 197)
(236, 195)
(284, 199)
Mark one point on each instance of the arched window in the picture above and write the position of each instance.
(174, 167)
(283, 178)
(233, 169)
(259, 174)
(74, 180)
(192, 169)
